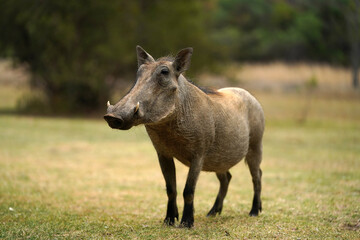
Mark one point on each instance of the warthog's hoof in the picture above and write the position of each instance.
(187, 221)
(187, 224)
(170, 221)
(253, 214)
(213, 212)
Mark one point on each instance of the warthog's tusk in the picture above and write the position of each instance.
(137, 107)
(108, 103)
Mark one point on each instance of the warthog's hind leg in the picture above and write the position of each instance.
(253, 159)
(224, 179)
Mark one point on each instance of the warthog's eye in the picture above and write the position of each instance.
(164, 71)
(163, 78)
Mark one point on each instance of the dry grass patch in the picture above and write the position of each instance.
(284, 77)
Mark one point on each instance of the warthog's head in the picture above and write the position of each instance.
(152, 98)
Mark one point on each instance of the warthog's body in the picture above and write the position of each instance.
(205, 130)
(216, 127)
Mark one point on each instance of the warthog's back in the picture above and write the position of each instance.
(238, 118)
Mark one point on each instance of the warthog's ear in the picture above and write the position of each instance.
(182, 60)
(143, 56)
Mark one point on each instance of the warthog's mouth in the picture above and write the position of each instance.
(116, 122)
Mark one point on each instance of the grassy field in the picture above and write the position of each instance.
(77, 178)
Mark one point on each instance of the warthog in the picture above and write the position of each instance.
(207, 130)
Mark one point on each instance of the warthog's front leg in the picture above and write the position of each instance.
(187, 219)
(168, 169)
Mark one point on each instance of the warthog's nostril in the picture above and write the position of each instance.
(114, 122)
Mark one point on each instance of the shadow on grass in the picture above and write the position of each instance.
(8, 111)
(95, 115)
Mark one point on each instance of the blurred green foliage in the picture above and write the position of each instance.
(75, 49)
(283, 29)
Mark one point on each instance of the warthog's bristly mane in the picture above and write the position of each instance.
(207, 90)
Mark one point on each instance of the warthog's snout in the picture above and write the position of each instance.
(123, 117)
(114, 122)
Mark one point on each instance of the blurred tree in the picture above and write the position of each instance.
(70, 47)
(167, 26)
(73, 47)
(283, 29)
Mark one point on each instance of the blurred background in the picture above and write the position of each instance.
(70, 57)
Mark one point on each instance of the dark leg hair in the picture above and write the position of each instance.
(253, 159)
(187, 219)
(168, 169)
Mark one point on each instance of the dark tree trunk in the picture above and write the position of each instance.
(353, 20)
(355, 65)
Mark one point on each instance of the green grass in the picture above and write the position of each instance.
(77, 178)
